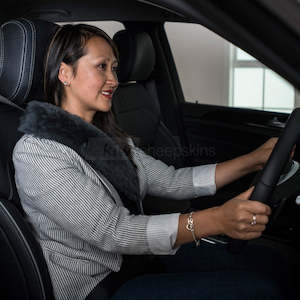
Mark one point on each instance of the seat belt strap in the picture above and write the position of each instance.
(6, 101)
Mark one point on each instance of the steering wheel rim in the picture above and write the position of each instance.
(278, 159)
(272, 170)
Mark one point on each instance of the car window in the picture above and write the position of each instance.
(214, 71)
(110, 27)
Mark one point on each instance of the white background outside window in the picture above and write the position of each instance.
(255, 86)
(213, 71)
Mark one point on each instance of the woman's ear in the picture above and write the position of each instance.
(65, 74)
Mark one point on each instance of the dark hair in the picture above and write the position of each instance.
(68, 45)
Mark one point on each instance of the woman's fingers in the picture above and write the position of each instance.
(250, 218)
(248, 235)
(260, 220)
(255, 228)
(246, 195)
(256, 207)
(262, 153)
(244, 219)
(293, 152)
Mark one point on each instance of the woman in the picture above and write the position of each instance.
(81, 182)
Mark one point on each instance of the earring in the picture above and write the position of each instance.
(66, 83)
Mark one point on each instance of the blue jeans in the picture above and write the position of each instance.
(211, 272)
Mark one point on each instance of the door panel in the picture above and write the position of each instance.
(219, 133)
(215, 134)
(227, 133)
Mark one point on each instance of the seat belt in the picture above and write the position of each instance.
(6, 101)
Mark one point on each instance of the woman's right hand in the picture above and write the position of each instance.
(236, 216)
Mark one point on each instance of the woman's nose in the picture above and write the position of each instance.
(112, 79)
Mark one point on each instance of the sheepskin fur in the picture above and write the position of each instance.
(48, 121)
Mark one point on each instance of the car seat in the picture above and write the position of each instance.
(137, 110)
(24, 274)
(135, 102)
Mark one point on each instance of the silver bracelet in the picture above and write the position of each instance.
(190, 227)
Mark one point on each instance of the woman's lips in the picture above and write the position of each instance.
(108, 93)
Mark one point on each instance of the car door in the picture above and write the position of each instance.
(221, 101)
(231, 101)
(220, 117)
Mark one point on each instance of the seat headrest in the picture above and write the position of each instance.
(23, 45)
(137, 55)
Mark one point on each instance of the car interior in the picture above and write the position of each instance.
(149, 105)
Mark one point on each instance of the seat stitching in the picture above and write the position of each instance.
(31, 69)
(21, 73)
(1, 52)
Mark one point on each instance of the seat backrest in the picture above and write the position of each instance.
(23, 271)
(9, 120)
(137, 111)
(135, 102)
(24, 274)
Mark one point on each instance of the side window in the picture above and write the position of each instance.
(213, 71)
(110, 27)
(256, 86)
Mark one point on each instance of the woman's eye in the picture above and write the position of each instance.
(115, 69)
(102, 66)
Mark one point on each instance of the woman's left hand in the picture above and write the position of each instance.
(263, 152)
(238, 167)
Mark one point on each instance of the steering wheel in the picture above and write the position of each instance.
(270, 175)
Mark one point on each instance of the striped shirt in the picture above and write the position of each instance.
(78, 216)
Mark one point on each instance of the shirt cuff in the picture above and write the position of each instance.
(204, 180)
(162, 233)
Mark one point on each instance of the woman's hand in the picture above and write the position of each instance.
(236, 168)
(241, 218)
(261, 155)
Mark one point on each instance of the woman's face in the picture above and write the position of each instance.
(91, 87)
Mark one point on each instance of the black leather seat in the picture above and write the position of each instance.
(137, 110)
(135, 102)
(23, 271)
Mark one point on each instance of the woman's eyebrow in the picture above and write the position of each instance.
(113, 61)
